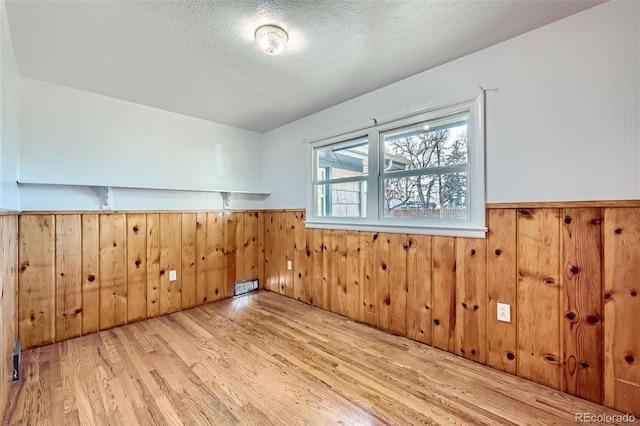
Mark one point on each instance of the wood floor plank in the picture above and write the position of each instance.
(268, 359)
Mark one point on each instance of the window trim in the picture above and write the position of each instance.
(474, 226)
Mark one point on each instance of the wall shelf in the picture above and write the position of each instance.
(149, 188)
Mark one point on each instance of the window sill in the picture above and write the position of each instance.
(465, 231)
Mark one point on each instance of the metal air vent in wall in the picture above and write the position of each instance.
(245, 287)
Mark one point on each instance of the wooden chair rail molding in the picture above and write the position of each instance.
(571, 276)
(565, 204)
(101, 212)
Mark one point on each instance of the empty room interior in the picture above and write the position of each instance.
(357, 212)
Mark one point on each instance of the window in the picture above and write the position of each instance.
(341, 179)
(421, 174)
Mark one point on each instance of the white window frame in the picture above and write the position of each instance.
(473, 226)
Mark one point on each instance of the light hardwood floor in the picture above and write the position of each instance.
(266, 359)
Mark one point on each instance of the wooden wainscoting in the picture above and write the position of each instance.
(80, 272)
(8, 301)
(571, 276)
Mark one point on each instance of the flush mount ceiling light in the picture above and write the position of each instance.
(271, 39)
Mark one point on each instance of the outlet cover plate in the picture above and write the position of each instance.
(172, 275)
(289, 265)
(504, 312)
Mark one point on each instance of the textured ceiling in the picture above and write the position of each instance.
(199, 58)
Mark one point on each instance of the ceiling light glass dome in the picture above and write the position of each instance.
(271, 39)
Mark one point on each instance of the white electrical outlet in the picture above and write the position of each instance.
(172, 275)
(504, 312)
(289, 265)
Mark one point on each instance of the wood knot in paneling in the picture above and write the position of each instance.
(592, 319)
(525, 213)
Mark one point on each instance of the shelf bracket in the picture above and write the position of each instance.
(106, 198)
(226, 200)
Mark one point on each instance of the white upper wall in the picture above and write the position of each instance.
(73, 137)
(9, 124)
(563, 124)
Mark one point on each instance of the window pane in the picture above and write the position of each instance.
(429, 144)
(341, 199)
(442, 196)
(344, 161)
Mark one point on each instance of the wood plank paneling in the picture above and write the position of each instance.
(317, 255)
(68, 277)
(113, 271)
(8, 302)
(340, 271)
(136, 267)
(398, 248)
(330, 271)
(11, 274)
(170, 260)
(188, 271)
(539, 289)
(369, 240)
(261, 248)
(353, 276)
(419, 285)
(471, 299)
(381, 274)
(622, 309)
(230, 251)
(443, 257)
(271, 277)
(300, 271)
(216, 274)
(308, 261)
(280, 251)
(289, 253)
(250, 246)
(201, 257)
(36, 280)
(240, 250)
(153, 265)
(502, 288)
(90, 273)
(582, 324)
